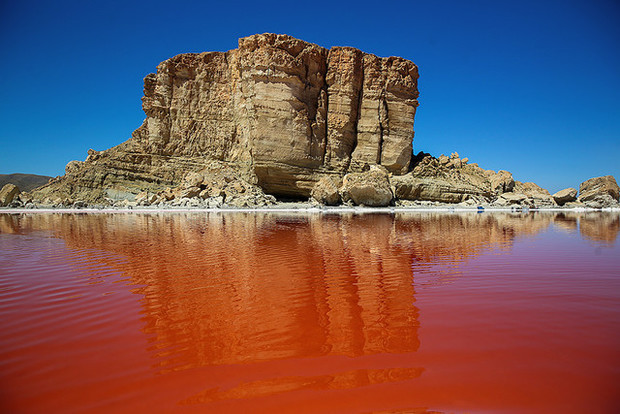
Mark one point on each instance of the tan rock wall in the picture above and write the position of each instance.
(282, 111)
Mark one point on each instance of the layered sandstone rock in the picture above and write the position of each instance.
(501, 182)
(283, 112)
(565, 196)
(369, 188)
(326, 191)
(7, 194)
(536, 195)
(599, 186)
(444, 179)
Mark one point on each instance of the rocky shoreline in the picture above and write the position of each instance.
(307, 207)
(432, 184)
(279, 120)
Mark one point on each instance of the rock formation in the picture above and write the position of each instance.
(599, 186)
(565, 196)
(444, 179)
(282, 117)
(326, 192)
(371, 188)
(7, 194)
(282, 112)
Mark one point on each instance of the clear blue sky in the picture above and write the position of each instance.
(532, 87)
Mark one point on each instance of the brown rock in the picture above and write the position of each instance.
(190, 192)
(601, 201)
(386, 112)
(590, 189)
(513, 198)
(565, 196)
(7, 194)
(502, 182)
(326, 192)
(167, 195)
(410, 187)
(537, 196)
(146, 199)
(344, 78)
(283, 113)
(369, 188)
(73, 166)
(436, 179)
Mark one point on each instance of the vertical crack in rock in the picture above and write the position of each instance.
(358, 111)
(383, 125)
(344, 81)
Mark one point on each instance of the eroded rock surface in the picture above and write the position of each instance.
(369, 188)
(282, 117)
(282, 112)
(565, 196)
(7, 194)
(444, 179)
(599, 186)
(327, 191)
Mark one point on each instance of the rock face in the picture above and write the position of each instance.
(601, 201)
(7, 194)
(599, 186)
(283, 112)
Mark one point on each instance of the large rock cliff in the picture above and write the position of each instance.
(283, 113)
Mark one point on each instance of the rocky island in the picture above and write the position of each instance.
(282, 119)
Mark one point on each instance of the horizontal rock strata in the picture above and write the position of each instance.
(599, 186)
(282, 112)
(282, 117)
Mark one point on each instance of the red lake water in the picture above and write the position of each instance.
(309, 313)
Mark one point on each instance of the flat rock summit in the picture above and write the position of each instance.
(280, 118)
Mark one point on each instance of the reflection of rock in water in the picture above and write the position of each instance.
(566, 221)
(600, 226)
(10, 224)
(239, 287)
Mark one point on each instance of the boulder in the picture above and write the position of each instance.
(146, 199)
(502, 182)
(565, 196)
(369, 188)
(190, 192)
(325, 191)
(594, 187)
(7, 194)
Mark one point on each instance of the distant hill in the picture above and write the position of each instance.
(25, 182)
